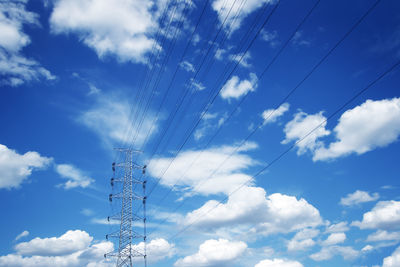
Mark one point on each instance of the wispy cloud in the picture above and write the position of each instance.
(15, 68)
(75, 177)
(15, 168)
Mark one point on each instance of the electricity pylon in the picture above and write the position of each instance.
(129, 196)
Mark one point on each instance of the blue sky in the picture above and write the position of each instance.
(184, 81)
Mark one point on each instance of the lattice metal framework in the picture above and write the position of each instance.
(133, 196)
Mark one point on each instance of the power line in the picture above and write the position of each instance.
(241, 101)
(212, 101)
(225, 71)
(283, 101)
(179, 102)
(174, 75)
(316, 66)
(390, 69)
(160, 71)
(145, 72)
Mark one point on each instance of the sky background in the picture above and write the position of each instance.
(256, 155)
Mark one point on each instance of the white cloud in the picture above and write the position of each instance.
(104, 221)
(119, 28)
(219, 53)
(334, 238)
(201, 177)
(21, 235)
(72, 249)
(270, 37)
(295, 245)
(272, 214)
(234, 88)
(209, 123)
(110, 119)
(385, 215)
(156, 250)
(75, 177)
(303, 240)
(382, 235)
(93, 90)
(87, 212)
(367, 248)
(196, 39)
(70, 242)
(393, 260)
(16, 168)
(371, 125)
(327, 253)
(249, 205)
(300, 126)
(388, 187)
(228, 10)
(358, 197)
(338, 227)
(271, 115)
(15, 68)
(306, 234)
(214, 253)
(298, 39)
(198, 86)
(278, 263)
(242, 60)
(186, 65)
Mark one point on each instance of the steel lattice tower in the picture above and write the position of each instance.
(129, 196)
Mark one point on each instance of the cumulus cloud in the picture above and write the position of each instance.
(385, 215)
(122, 28)
(371, 125)
(247, 205)
(76, 248)
(368, 126)
(393, 260)
(243, 60)
(358, 197)
(201, 177)
(68, 243)
(73, 249)
(16, 168)
(110, 118)
(21, 235)
(300, 126)
(367, 248)
(272, 214)
(156, 250)
(235, 88)
(74, 176)
(382, 235)
(303, 240)
(334, 238)
(15, 68)
(295, 245)
(329, 252)
(219, 53)
(213, 252)
(278, 263)
(338, 227)
(229, 11)
(271, 115)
